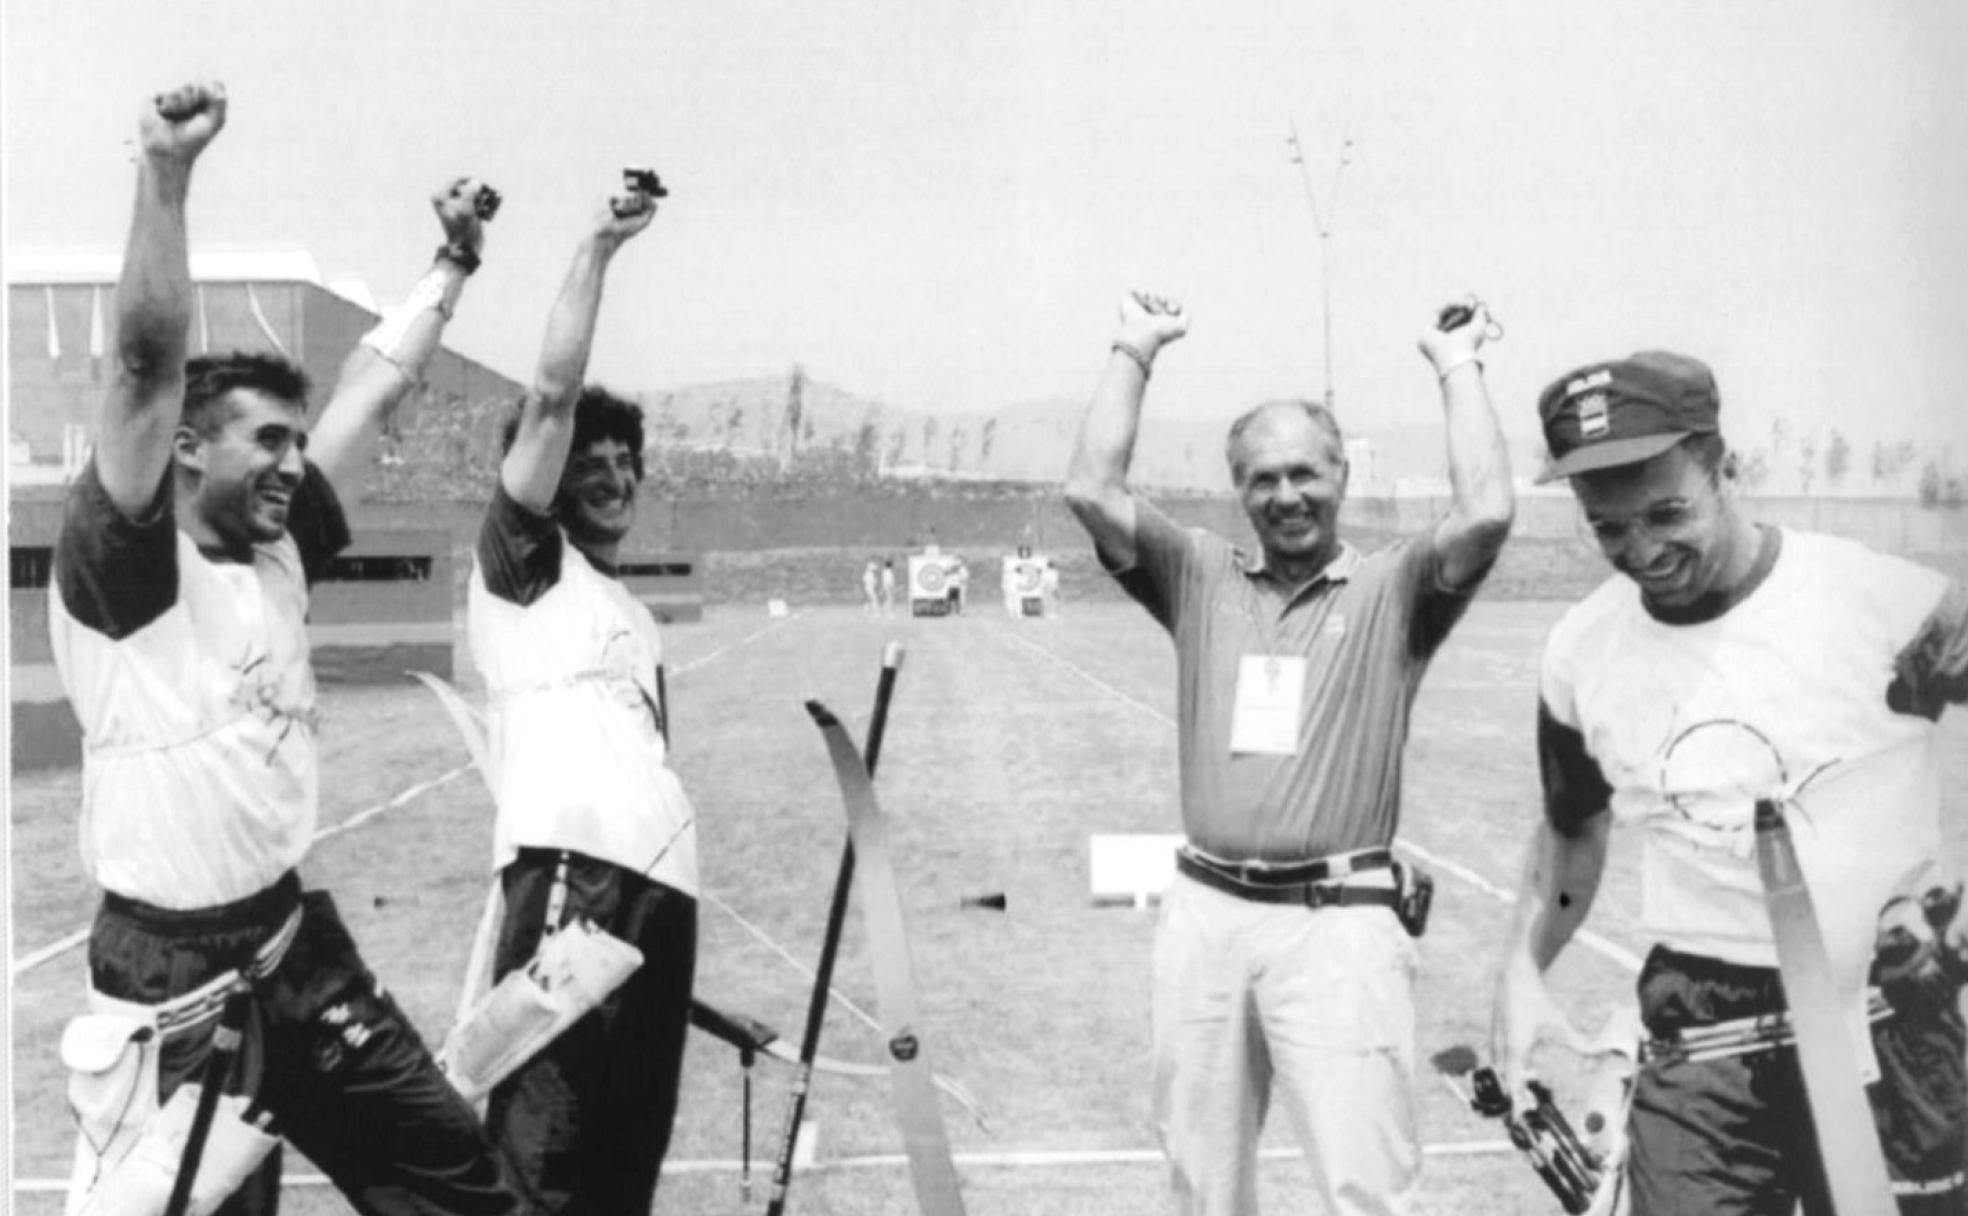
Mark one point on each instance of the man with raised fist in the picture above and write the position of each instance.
(179, 602)
(594, 830)
(1281, 961)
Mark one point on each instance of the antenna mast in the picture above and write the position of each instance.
(1323, 224)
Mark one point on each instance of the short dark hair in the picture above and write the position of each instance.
(598, 414)
(1318, 414)
(209, 378)
(1709, 450)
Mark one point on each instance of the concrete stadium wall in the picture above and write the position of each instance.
(885, 523)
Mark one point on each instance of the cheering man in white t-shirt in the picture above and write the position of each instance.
(592, 823)
(178, 620)
(1732, 662)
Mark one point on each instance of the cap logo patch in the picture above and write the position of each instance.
(1593, 420)
(1598, 379)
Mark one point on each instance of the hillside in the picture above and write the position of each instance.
(783, 418)
(791, 432)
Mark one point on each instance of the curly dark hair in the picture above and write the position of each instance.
(598, 414)
(208, 378)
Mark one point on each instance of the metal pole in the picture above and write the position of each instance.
(1325, 238)
(1325, 284)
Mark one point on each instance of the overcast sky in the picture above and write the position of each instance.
(937, 203)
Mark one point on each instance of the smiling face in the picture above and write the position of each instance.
(246, 469)
(1666, 524)
(596, 502)
(1290, 474)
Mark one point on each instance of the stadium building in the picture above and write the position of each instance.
(389, 605)
(61, 319)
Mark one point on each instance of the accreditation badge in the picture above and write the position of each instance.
(1270, 701)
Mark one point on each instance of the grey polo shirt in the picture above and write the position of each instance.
(1366, 626)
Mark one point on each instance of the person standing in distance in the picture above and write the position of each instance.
(1277, 966)
(592, 822)
(1724, 660)
(178, 618)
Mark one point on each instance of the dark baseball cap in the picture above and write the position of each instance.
(1625, 411)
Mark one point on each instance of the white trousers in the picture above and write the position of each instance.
(1321, 1002)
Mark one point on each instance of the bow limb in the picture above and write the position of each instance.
(469, 722)
(924, 1139)
(740, 1031)
(748, 1034)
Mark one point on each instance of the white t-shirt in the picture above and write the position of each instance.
(1688, 724)
(569, 659)
(190, 677)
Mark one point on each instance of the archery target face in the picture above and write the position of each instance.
(928, 576)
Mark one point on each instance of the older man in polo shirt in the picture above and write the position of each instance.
(1278, 957)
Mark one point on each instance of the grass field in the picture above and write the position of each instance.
(1010, 742)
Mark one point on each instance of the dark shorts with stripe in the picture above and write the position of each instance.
(585, 1123)
(327, 1052)
(1734, 1135)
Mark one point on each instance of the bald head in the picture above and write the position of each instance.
(1289, 466)
(1284, 421)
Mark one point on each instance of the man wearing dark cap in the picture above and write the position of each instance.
(1281, 965)
(1732, 662)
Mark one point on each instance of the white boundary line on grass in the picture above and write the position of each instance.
(1605, 947)
(63, 945)
(1028, 1159)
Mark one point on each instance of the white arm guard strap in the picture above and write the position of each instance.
(438, 289)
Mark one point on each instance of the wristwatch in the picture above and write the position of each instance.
(463, 257)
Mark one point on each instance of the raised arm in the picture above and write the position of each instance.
(532, 468)
(154, 300)
(390, 359)
(1096, 481)
(1482, 504)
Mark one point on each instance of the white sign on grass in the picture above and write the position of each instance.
(1131, 868)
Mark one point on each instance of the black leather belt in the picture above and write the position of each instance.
(1314, 884)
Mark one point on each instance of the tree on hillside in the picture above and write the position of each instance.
(1837, 459)
(733, 420)
(1779, 438)
(867, 448)
(795, 407)
(1940, 485)
(1807, 461)
(929, 438)
(958, 436)
(1752, 469)
(987, 441)
(898, 443)
(1889, 461)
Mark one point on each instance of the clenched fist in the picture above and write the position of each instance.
(177, 125)
(1149, 321)
(457, 208)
